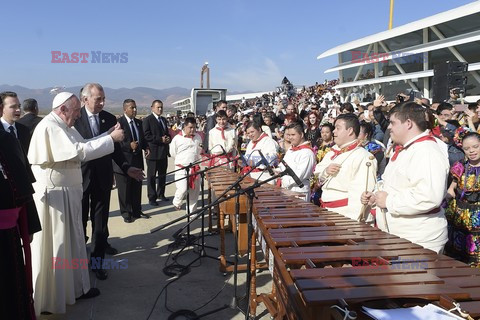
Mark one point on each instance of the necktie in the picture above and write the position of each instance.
(12, 131)
(134, 133)
(95, 125)
(161, 123)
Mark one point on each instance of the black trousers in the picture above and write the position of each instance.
(156, 169)
(14, 302)
(96, 205)
(129, 195)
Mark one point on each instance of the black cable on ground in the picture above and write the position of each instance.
(178, 271)
(184, 314)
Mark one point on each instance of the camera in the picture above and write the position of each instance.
(457, 91)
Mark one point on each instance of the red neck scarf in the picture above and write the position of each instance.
(183, 135)
(254, 143)
(400, 148)
(302, 146)
(336, 152)
(223, 132)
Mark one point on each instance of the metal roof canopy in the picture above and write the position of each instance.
(398, 77)
(439, 18)
(421, 48)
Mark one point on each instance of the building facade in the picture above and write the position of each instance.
(402, 59)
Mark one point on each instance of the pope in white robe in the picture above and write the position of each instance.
(59, 256)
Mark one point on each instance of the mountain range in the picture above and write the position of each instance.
(114, 97)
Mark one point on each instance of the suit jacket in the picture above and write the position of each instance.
(134, 158)
(154, 132)
(100, 171)
(30, 120)
(17, 189)
(23, 134)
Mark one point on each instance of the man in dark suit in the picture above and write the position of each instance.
(130, 190)
(98, 174)
(11, 114)
(155, 128)
(30, 119)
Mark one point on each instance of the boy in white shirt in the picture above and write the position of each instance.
(222, 136)
(186, 148)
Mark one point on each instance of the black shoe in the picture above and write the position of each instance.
(141, 215)
(111, 250)
(127, 220)
(92, 293)
(144, 215)
(101, 274)
(163, 198)
(153, 203)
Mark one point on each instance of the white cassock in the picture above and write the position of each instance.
(228, 142)
(56, 152)
(186, 150)
(302, 161)
(269, 148)
(416, 183)
(349, 183)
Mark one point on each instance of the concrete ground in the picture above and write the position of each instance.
(138, 291)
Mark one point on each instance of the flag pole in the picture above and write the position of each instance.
(390, 22)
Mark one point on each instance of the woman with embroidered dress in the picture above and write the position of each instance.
(463, 211)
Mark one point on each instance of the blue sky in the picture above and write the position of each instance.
(250, 45)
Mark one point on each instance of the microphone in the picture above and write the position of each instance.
(267, 164)
(292, 174)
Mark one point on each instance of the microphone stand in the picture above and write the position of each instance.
(250, 191)
(188, 239)
(197, 212)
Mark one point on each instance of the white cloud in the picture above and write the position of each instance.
(263, 77)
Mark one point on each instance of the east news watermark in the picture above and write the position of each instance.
(95, 263)
(396, 56)
(89, 57)
(377, 263)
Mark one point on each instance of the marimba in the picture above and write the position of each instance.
(317, 257)
(219, 180)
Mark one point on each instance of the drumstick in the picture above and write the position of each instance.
(363, 212)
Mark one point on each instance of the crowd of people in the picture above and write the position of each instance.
(410, 168)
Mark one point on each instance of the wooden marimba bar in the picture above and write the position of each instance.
(317, 257)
